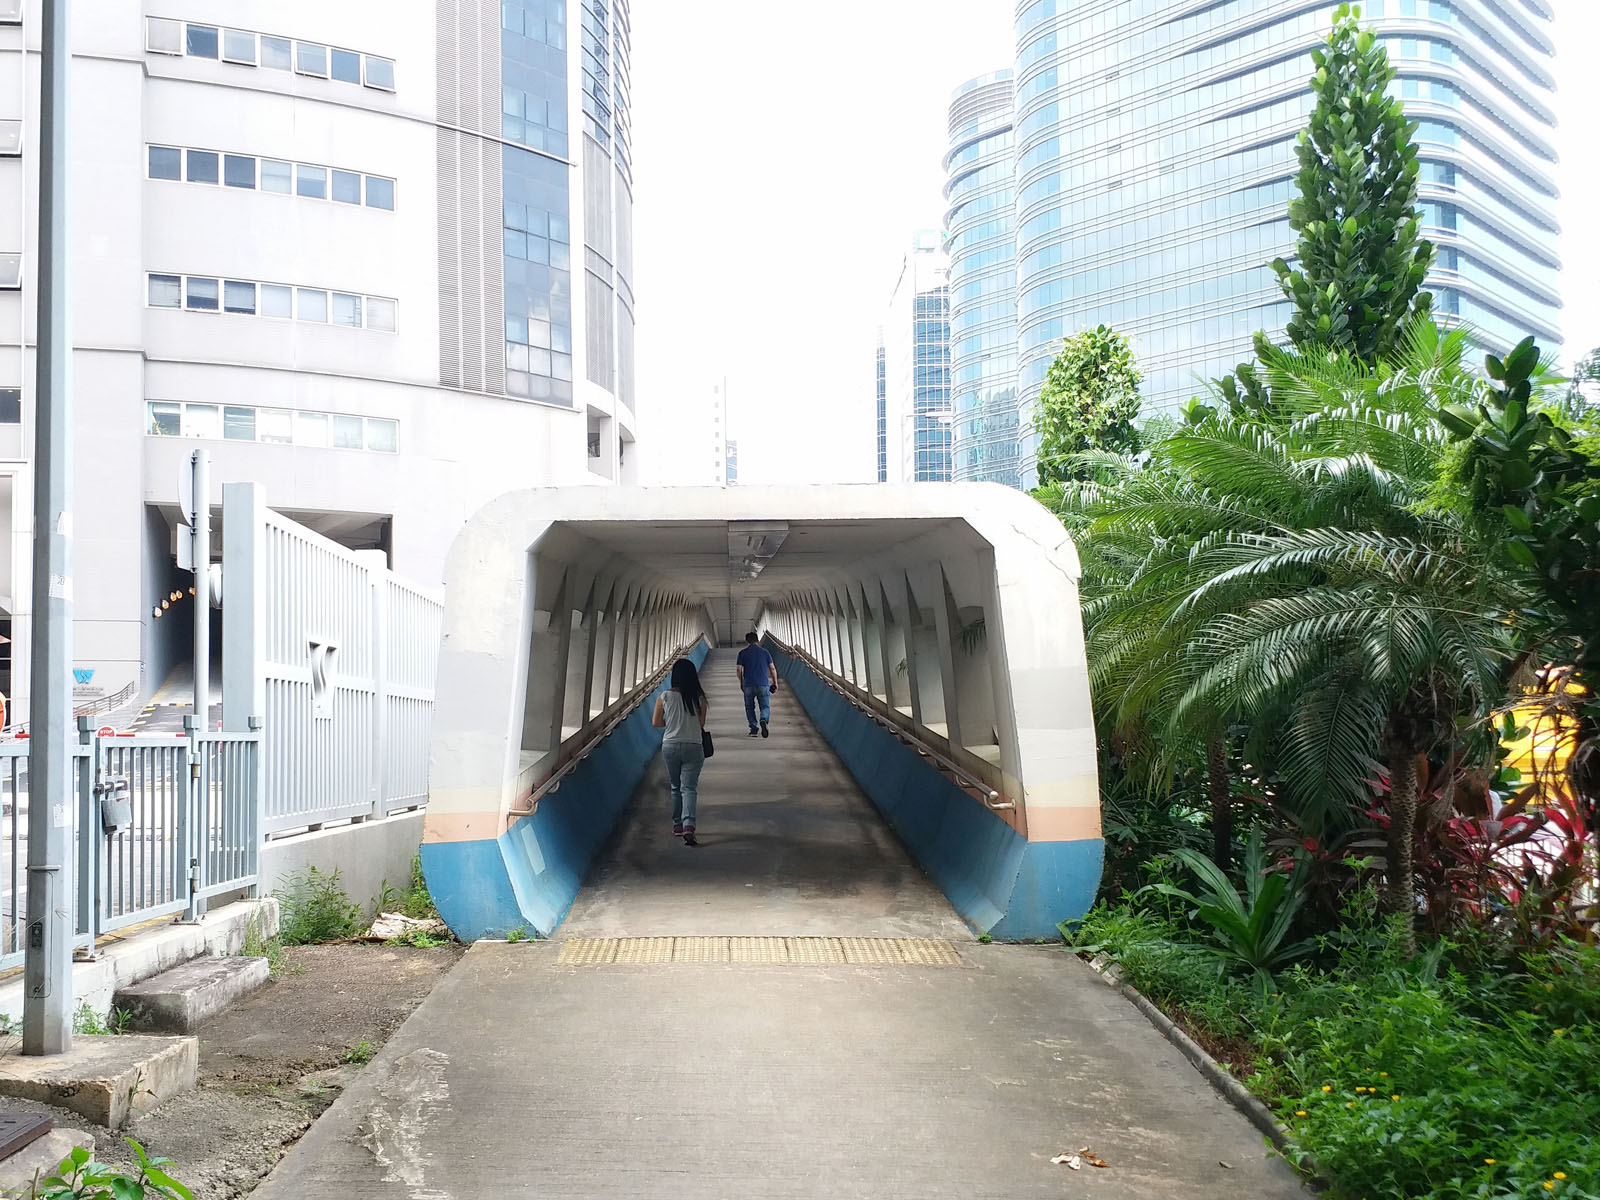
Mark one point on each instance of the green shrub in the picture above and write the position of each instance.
(415, 902)
(1400, 1079)
(80, 1177)
(314, 908)
(86, 1021)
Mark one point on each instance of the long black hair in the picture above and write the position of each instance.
(686, 682)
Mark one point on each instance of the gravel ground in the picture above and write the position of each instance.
(274, 1061)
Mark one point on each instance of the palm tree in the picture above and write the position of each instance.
(1278, 563)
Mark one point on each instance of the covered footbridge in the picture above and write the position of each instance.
(931, 634)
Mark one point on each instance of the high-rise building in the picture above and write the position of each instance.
(1155, 163)
(980, 238)
(381, 265)
(883, 411)
(916, 343)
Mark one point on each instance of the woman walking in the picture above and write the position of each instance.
(681, 712)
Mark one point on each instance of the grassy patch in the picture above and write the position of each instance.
(313, 908)
(1435, 1078)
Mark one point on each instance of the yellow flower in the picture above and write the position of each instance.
(1396, 1096)
(1300, 1112)
(1383, 1074)
(1327, 1087)
(1489, 1161)
(1549, 1185)
(1561, 1174)
(1350, 1104)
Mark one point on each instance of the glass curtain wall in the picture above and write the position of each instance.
(981, 242)
(1155, 161)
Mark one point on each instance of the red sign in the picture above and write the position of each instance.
(105, 731)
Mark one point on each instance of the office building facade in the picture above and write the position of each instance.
(980, 239)
(381, 266)
(1155, 163)
(916, 360)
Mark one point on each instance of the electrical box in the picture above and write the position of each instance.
(116, 802)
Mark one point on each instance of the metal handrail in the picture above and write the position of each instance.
(621, 711)
(978, 788)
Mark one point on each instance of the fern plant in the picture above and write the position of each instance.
(1249, 928)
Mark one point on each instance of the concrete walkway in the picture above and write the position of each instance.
(524, 1076)
(788, 844)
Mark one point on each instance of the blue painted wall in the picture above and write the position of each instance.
(1000, 883)
(528, 877)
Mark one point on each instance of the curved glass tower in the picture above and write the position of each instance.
(1155, 162)
(981, 243)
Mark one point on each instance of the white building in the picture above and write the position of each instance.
(915, 417)
(374, 255)
(688, 442)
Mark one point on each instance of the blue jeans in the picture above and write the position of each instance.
(757, 693)
(684, 762)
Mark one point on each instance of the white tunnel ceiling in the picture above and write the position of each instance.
(732, 565)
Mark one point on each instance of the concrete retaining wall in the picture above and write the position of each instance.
(1000, 883)
(366, 856)
(528, 877)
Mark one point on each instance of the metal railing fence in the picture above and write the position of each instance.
(190, 829)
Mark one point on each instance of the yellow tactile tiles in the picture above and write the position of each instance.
(794, 951)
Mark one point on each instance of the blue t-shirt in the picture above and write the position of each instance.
(755, 660)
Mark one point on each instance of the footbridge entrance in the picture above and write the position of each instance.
(930, 633)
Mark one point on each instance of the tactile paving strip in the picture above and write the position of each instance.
(807, 951)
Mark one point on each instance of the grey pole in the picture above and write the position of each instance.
(199, 818)
(47, 992)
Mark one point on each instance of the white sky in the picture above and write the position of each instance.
(783, 157)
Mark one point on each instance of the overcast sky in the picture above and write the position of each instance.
(784, 156)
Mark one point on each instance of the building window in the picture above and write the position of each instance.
(10, 272)
(380, 192)
(245, 48)
(277, 54)
(238, 171)
(200, 41)
(380, 73)
(277, 300)
(309, 180)
(310, 59)
(277, 176)
(274, 426)
(238, 296)
(346, 187)
(347, 310)
(202, 166)
(162, 36)
(166, 162)
(10, 406)
(10, 139)
(346, 66)
(200, 293)
(10, 12)
(166, 291)
(239, 46)
(246, 297)
(311, 304)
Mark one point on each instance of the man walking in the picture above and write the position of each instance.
(758, 679)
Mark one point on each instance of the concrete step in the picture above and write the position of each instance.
(177, 1000)
(105, 1077)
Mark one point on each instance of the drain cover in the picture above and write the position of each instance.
(848, 951)
(20, 1130)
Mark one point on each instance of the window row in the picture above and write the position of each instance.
(247, 49)
(278, 426)
(203, 293)
(270, 175)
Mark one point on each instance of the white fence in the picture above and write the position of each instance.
(341, 658)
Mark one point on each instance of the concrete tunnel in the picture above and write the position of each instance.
(931, 632)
